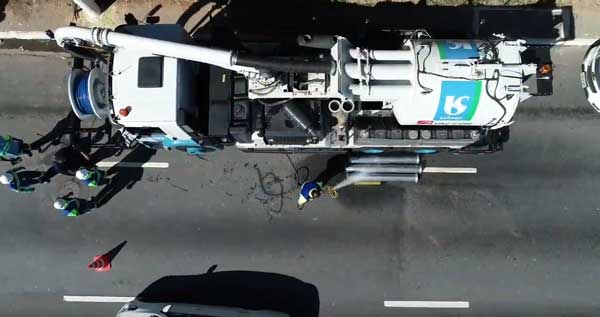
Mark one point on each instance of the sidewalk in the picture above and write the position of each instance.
(50, 14)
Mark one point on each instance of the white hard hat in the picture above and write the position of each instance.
(60, 204)
(7, 178)
(82, 174)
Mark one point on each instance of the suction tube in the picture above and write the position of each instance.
(284, 65)
(300, 118)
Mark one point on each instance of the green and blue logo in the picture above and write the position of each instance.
(458, 101)
(457, 49)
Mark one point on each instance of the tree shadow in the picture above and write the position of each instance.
(125, 174)
(3, 4)
(273, 19)
(196, 7)
(105, 4)
(241, 289)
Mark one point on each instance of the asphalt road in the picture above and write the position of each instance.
(520, 238)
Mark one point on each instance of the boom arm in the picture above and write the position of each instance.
(107, 37)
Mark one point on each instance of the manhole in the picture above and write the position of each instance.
(70, 187)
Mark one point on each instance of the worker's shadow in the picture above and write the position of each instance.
(240, 289)
(54, 137)
(114, 148)
(125, 174)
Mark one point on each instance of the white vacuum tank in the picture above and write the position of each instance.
(444, 82)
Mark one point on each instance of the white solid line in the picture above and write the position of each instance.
(134, 164)
(425, 304)
(97, 299)
(24, 35)
(450, 170)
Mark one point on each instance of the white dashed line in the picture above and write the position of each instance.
(97, 299)
(425, 304)
(134, 164)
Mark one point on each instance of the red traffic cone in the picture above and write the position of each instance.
(101, 263)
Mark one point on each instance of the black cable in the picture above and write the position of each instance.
(297, 171)
(281, 193)
(495, 97)
(419, 72)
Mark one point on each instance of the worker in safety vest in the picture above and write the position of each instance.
(90, 177)
(67, 161)
(20, 180)
(310, 191)
(68, 207)
(12, 148)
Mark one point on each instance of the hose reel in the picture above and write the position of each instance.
(87, 94)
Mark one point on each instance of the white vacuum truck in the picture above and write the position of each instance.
(324, 94)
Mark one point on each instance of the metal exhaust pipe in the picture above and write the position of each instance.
(400, 178)
(382, 159)
(348, 106)
(334, 106)
(385, 169)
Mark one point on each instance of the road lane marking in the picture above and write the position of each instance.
(97, 299)
(107, 164)
(425, 304)
(450, 170)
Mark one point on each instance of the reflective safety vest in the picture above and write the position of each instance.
(72, 208)
(9, 148)
(93, 178)
(16, 184)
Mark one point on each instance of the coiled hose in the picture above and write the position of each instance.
(82, 97)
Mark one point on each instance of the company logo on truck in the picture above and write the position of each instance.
(458, 101)
(457, 49)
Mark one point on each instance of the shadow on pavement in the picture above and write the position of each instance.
(270, 19)
(124, 176)
(105, 4)
(65, 126)
(112, 254)
(3, 4)
(242, 289)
